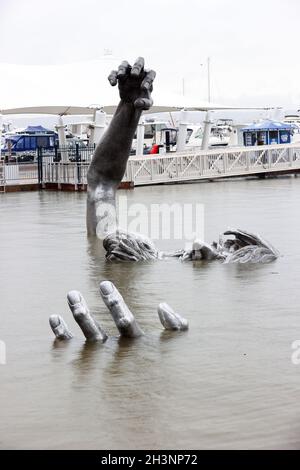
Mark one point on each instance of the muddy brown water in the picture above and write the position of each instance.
(226, 383)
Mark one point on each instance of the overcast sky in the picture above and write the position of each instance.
(254, 48)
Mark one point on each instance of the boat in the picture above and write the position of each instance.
(22, 145)
(219, 135)
(294, 120)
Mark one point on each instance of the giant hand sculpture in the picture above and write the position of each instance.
(121, 314)
(110, 158)
(107, 170)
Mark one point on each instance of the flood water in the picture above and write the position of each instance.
(226, 383)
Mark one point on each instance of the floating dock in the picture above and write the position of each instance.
(228, 162)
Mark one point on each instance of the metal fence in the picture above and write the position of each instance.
(64, 165)
(15, 173)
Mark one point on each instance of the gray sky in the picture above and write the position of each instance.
(254, 48)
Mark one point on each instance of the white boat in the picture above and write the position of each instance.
(219, 135)
(294, 119)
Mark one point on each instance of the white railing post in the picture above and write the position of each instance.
(131, 171)
(290, 156)
(248, 161)
(140, 133)
(97, 127)
(182, 133)
(75, 176)
(176, 161)
(270, 156)
(225, 165)
(151, 169)
(59, 175)
(62, 139)
(206, 133)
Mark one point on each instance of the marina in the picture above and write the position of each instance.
(149, 243)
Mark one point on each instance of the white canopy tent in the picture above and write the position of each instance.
(170, 104)
(24, 89)
(84, 83)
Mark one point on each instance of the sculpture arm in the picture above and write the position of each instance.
(110, 158)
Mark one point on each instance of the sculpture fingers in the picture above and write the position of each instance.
(122, 316)
(113, 78)
(143, 103)
(186, 255)
(248, 247)
(89, 326)
(171, 320)
(59, 327)
(138, 67)
(123, 69)
(118, 255)
(248, 238)
(148, 80)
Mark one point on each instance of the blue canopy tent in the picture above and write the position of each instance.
(37, 130)
(267, 132)
(30, 139)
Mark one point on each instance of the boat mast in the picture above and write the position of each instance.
(208, 80)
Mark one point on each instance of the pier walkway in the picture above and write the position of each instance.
(157, 169)
(212, 164)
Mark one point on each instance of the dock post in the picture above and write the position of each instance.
(62, 139)
(247, 161)
(207, 128)
(225, 161)
(269, 158)
(181, 141)
(290, 153)
(97, 127)
(140, 138)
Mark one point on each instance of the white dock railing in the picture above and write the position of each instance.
(15, 173)
(167, 168)
(65, 173)
(239, 161)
